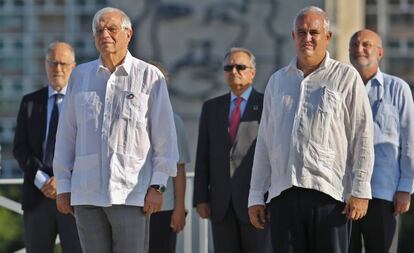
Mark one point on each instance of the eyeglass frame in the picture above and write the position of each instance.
(365, 45)
(239, 67)
(112, 30)
(54, 64)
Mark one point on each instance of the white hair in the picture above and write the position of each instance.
(312, 9)
(52, 46)
(125, 20)
(240, 49)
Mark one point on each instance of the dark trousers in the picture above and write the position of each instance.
(231, 235)
(42, 225)
(308, 221)
(162, 238)
(377, 228)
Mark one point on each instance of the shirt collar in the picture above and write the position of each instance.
(123, 69)
(379, 77)
(245, 95)
(293, 66)
(52, 92)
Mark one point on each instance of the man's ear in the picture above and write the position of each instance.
(380, 53)
(329, 36)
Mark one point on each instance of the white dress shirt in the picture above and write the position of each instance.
(316, 132)
(116, 134)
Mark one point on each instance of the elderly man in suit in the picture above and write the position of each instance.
(34, 144)
(227, 138)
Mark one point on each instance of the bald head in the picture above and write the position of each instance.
(365, 52)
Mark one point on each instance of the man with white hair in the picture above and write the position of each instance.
(314, 151)
(33, 149)
(116, 142)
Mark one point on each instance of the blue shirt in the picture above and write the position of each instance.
(245, 96)
(393, 113)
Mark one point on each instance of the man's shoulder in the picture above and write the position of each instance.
(36, 94)
(257, 93)
(394, 80)
(217, 100)
(144, 66)
(86, 66)
(341, 67)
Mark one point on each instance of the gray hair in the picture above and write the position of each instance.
(52, 46)
(125, 20)
(305, 10)
(240, 49)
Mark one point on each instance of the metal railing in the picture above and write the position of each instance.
(188, 233)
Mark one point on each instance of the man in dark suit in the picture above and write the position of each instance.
(227, 138)
(33, 149)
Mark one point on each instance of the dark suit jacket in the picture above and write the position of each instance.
(217, 158)
(28, 139)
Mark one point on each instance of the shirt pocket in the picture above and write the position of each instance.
(386, 120)
(131, 136)
(88, 107)
(326, 109)
(134, 107)
(126, 169)
(86, 173)
(319, 162)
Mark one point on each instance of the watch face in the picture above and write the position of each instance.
(159, 188)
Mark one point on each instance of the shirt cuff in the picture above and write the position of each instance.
(63, 186)
(405, 185)
(255, 198)
(159, 178)
(361, 190)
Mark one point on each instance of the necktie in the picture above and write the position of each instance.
(235, 119)
(51, 136)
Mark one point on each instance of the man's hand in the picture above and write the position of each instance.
(203, 210)
(401, 202)
(49, 188)
(178, 219)
(153, 202)
(63, 203)
(356, 208)
(257, 215)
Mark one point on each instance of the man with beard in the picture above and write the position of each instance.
(393, 176)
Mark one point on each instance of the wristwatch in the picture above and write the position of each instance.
(159, 188)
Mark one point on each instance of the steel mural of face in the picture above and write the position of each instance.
(191, 37)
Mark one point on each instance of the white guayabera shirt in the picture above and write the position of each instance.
(316, 132)
(116, 134)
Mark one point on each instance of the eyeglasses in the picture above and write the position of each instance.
(54, 64)
(111, 30)
(365, 45)
(239, 67)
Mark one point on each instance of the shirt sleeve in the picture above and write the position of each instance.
(183, 150)
(406, 112)
(162, 133)
(360, 130)
(260, 180)
(65, 141)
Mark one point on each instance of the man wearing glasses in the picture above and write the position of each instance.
(116, 143)
(393, 177)
(33, 149)
(227, 138)
(314, 151)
